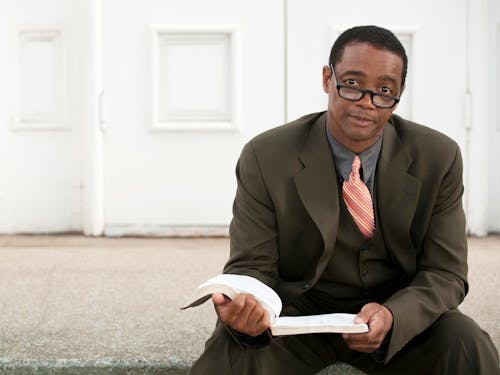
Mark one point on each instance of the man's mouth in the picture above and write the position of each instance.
(362, 120)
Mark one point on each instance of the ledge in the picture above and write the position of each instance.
(74, 305)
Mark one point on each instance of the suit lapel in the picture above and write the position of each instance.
(318, 188)
(397, 195)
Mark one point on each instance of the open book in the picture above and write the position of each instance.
(231, 285)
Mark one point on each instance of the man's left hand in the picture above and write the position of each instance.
(379, 319)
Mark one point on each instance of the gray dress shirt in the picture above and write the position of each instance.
(343, 158)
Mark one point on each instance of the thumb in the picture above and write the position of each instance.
(366, 313)
(220, 299)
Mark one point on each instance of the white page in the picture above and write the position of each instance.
(247, 284)
(338, 321)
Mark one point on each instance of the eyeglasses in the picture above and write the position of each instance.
(353, 94)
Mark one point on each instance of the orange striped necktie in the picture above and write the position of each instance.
(358, 200)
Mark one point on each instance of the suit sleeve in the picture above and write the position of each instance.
(440, 283)
(253, 247)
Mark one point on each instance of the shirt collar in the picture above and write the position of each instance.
(343, 158)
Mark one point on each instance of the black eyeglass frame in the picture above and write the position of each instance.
(363, 92)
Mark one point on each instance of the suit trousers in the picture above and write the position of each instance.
(454, 345)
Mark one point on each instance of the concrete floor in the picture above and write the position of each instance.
(76, 300)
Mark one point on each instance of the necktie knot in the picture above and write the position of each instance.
(356, 166)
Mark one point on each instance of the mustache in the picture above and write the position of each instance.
(361, 115)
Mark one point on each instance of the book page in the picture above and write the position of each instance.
(230, 285)
(333, 323)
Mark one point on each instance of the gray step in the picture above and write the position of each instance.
(76, 305)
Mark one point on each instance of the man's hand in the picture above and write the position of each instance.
(243, 314)
(379, 320)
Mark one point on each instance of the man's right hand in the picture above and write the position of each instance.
(243, 314)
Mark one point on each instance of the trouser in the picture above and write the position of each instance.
(453, 345)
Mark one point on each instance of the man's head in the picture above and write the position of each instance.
(364, 81)
(377, 37)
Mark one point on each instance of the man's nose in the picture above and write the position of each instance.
(366, 101)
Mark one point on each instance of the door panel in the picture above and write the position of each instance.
(186, 84)
(40, 137)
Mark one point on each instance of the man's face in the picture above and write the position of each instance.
(358, 124)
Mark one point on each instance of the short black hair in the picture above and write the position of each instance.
(376, 36)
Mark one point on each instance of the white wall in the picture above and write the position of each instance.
(62, 179)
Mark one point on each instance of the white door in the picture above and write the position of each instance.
(40, 154)
(186, 83)
(433, 33)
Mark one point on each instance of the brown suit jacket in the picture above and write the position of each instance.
(286, 214)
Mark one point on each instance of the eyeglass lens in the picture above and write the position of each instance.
(354, 94)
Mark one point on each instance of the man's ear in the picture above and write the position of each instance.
(327, 75)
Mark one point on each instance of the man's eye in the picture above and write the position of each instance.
(351, 81)
(386, 90)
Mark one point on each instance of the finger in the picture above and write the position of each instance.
(372, 337)
(266, 320)
(228, 312)
(236, 306)
(355, 340)
(355, 337)
(255, 322)
(244, 316)
(238, 315)
(366, 340)
(366, 313)
(220, 299)
(367, 345)
(263, 324)
(380, 323)
(257, 318)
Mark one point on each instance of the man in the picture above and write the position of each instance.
(352, 210)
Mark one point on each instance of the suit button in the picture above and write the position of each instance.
(307, 286)
(364, 273)
(365, 248)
